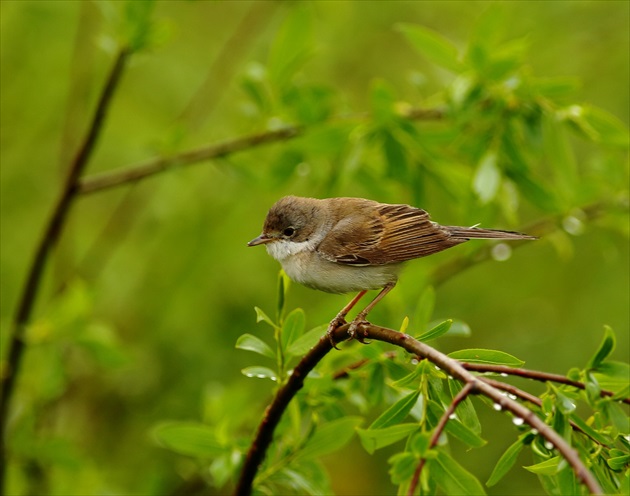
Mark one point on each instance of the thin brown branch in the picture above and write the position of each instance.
(368, 331)
(534, 375)
(48, 240)
(469, 388)
(534, 400)
(156, 165)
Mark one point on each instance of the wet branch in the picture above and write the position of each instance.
(472, 383)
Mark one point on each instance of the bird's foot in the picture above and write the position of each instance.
(338, 321)
(355, 330)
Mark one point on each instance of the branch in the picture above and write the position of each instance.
(47, 242)
(455, 369)
(156, 165)
(534, 375)
(469, 388)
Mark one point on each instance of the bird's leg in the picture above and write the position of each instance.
(360, 318)
(340, 319)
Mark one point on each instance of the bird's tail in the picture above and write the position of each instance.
(464, 233)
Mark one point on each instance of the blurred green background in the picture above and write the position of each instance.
(152, 284)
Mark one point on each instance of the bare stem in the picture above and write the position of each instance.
(48, 240)
(534, 375)
(468, 388)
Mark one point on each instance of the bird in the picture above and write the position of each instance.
(344, 245)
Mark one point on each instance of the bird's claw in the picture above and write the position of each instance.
(332, 327)
(354, 331)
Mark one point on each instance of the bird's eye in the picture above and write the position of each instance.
(288, 232)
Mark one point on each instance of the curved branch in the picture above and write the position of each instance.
(295, 382)
(47, 242)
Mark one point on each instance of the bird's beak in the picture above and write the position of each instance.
(260, 240)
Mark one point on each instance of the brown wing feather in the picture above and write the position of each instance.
(389, 234)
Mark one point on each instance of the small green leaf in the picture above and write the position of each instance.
(405, 325)
(548, 467)
(455, 427)
(432, 45)
(618, 462)
(263, 317)
(614, 376)
(606, 347)
(465, 410)
(191, 439)
(505, 463)
(259, 373)
(439, 330)
(306, 341)
(329, 437)
(589, 431)
(487, 178)
(283, 287)
(565, 404)
(374, 439)
(452, 478)
(425, 306)
(599, 126)
(291, 47)
(397, 412)
(403, 466)
(491, 357)
(293, 327)
(252, 343)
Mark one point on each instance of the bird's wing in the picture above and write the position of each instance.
(388, 234)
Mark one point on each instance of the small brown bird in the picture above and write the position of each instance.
(342, 245)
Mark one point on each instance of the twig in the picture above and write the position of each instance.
(134, 173)
(47, 242)
(534, 375)
(154, 166)
(534, 400)
(469, 388)
(452, 367)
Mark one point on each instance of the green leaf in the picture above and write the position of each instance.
(291, 47)
(397, 412)
(613, 375)
(547, 467)
(455, 427)
(263, 317)
(505, 463)
(465, 410)
(252, 343)
(606, 347)
(283, 287)
(424, 308)
(598, 125)
(432, 45)
(452, 478)
(564, 404)
(618, 462)
(293, 327)
(138, 26)
(329, 438)
(487, 178)
(306, 341)
(403, 466)
(491, 357)
(259, 373)
(374, 439)
(589, 431)
(191, 439)
(437, 331)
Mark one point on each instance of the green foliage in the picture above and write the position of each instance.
(484, 126)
